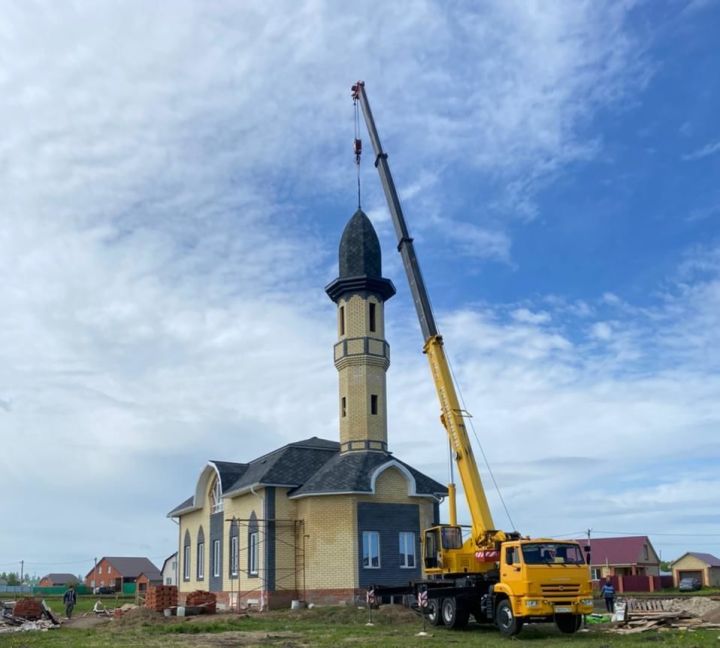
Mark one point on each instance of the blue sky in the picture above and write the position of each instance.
(174, 186)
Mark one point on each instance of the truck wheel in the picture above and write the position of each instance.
(454, 613)
(433, 612)
(505, 620)
(568, 623)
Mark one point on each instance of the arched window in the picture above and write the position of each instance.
(186, 556)
(234, 548)
(253, 547)
(200, 572)
(216, 503)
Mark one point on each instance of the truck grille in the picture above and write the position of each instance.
(560, 590)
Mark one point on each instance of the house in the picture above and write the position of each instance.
(704, 566)
(623, 556)
(116, 571)
(318, 520)
(169, 570)
(143, 581)
(58, 580)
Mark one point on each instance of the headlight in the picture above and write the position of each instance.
(532, 603)
(587, 602)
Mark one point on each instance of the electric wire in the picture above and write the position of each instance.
(482, 451)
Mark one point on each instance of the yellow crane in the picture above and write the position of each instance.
(499, 577)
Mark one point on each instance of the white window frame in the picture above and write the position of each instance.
(406, 540)
(216, 558)
(216, 497)
(186, 562)
(370, 541)
(200, 561)
(253, 545)
(100, 570)
(595, 573)
(234, 555)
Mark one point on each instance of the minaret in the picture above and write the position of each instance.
(362, 356)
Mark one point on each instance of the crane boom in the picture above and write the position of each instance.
(484, 533)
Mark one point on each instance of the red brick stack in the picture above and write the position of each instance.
(202, 598)
(28, 608)
(161, 597)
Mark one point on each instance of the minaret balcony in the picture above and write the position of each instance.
(362, 350)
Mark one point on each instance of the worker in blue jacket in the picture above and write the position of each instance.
(608, 593)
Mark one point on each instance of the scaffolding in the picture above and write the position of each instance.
(286, 533)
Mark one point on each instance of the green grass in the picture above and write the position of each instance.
(84, 603)
(332, 628)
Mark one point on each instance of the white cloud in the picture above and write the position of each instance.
(164, 208)
(704, 151)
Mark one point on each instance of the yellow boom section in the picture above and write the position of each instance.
(452, 418)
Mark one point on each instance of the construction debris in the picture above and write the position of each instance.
(26, 615)
(205, 601)
(641, 615)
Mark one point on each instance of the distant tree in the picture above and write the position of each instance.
(12, 579)
(665, 566)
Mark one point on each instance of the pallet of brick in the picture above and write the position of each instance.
(204, 600)
(161, 597)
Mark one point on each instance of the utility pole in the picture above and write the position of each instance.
(94, 578)
(22, 570)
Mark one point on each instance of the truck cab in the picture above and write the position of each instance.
(542, 580)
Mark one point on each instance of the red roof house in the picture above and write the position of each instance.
(624, 556)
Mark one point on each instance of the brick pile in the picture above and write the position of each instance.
(202, 598)
(161, 597)
(28, 608)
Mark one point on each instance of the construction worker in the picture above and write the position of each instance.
(69, 599)
(608, 593)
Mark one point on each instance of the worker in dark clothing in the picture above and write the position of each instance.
(69, 599)
(608, 593)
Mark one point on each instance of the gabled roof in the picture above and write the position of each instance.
(61, 579)
(354, 472)
(626, 550)
(131, 567)
(708, 559)
(310, 467)
(167, 560)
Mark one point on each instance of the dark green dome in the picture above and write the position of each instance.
(360, 248)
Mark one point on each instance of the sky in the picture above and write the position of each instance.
(174, 181)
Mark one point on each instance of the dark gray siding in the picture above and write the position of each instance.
(388, 520)
(216, 533)
(270, 538)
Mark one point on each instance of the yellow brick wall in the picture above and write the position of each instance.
(192, 522)
(242, 508)
(331, 541)
(690, 563)
(357, 317)
(357, 382)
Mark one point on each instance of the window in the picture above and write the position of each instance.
(186, 562)
(510, 555)
(343, 406)
(372, 317)
(373, 404)
(216, 558)
(201, 560)
(342, 320)
(371, 550)
(109, 570)
(100, 569)
(216, 503)
(646, 553)
(234, 555)
(595, 573)
(168, 581)
(253, 542)
(407, 549)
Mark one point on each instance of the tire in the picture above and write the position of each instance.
(454, 613)
(508, 624)
(568, 623)
(434, 615)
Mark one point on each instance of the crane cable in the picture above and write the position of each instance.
(357, 146)
(477, 440)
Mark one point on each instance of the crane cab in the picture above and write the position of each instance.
(446, 554)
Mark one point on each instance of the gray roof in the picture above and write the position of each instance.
(132, 567)
(61, 579)
(352, 473)
(311, 467)
(707, 558)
